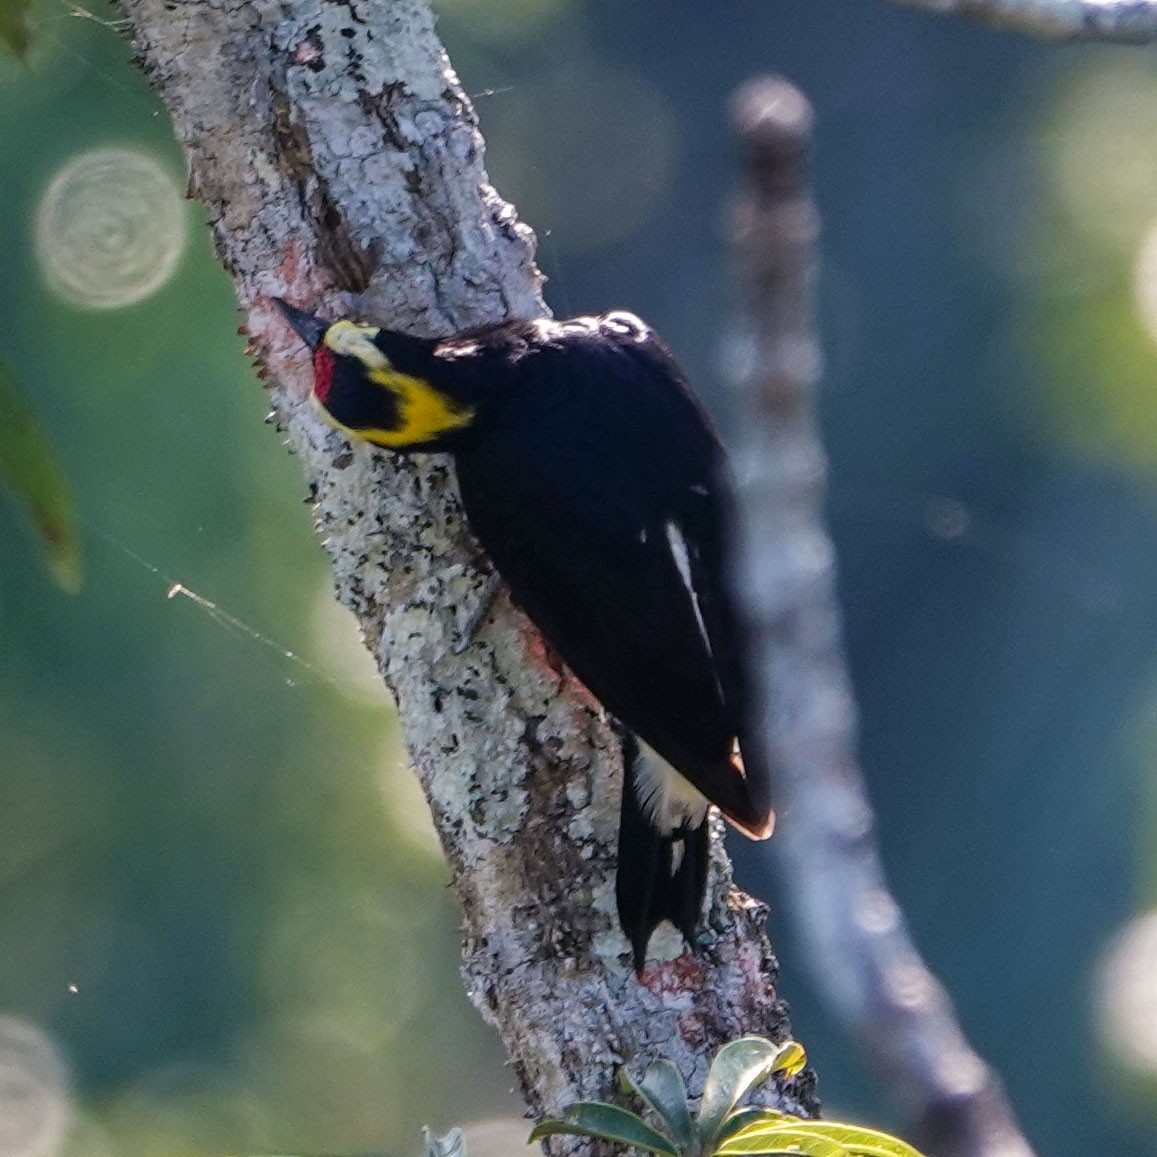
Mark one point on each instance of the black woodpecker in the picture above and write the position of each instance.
(594, 481)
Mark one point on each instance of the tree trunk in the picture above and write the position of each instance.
(341, 167)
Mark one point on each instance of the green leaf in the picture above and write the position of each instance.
(607, 1123)
(786, 1138)
(823, 1139)
(736, 1069)
(30, 471)
(747, 1117)
(13, 29)
(791, 1058)
(663, 1090)
(858, 1140)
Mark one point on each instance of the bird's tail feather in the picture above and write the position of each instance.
(660, 877)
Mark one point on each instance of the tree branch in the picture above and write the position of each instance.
(1121, 21)
(804, 712)
(341, 167)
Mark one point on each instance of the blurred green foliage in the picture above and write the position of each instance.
(1095, 302)
(33, 476)
(13, 26)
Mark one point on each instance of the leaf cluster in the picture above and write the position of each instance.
(722, 1127)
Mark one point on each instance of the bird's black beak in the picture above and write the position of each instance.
(307, 327)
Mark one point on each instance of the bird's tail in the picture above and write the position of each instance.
(660, 876)
(748, 806)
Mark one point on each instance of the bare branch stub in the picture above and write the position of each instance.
(803, 709)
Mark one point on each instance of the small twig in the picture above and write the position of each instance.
(786, 576)
(1119, 21)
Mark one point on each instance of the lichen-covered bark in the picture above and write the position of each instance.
(341, 167)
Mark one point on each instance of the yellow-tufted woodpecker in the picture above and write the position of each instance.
(594, 481)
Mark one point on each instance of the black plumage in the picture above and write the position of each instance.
(594, 481)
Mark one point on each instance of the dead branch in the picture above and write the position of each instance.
(804, 711)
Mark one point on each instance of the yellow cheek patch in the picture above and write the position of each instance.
(423, 412)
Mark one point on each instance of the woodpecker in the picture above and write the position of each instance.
(593, 479)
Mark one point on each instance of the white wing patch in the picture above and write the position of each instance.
(679, 553)
(668, 800)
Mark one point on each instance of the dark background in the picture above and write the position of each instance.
(220, 848)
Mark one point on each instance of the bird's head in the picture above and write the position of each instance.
(375, 384)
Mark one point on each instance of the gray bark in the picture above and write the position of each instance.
(1120, 21)
(341, 167)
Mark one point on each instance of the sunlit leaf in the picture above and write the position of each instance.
(797, 1151)
(736, 1069)
(744, 1118)
(663, 1090)
(30, 471)
(858, 1140)
(790, 1059)
(607, 1123)
(13, 29)
(776, 1131)
(786, 1138)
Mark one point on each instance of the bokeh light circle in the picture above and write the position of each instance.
(34, 1097)
(110, 228)
(1126, 994)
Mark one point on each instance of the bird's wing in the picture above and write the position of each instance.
(632, 604)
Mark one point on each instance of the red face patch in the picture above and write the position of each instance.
(324, 362)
